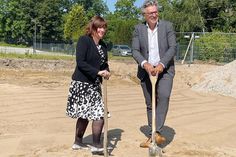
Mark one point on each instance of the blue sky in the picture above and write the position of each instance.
(111, 4)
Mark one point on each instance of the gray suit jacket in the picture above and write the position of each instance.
(167, 47)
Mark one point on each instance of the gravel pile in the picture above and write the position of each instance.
(221, 80)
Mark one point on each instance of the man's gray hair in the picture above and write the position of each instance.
(148, 3)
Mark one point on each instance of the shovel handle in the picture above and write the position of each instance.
(153, 80)
(105, 117)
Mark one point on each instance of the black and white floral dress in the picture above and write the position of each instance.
(85, 99)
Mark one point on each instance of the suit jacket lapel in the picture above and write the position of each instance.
(145, 34)
(160, 35)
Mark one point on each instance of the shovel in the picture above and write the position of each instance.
(105, 118)
(154, 150)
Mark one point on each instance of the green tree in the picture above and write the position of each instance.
(75, 22)
(120, 31)
(121, 22)
(184, 18)
(219, 15)
(98, 8)
(20, 18)
(15, 15)
(92, 7)
(2, 18)
(49, 19)
(213, 46)
(200, 15)
(125, 9)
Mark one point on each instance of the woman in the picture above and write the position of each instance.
(85, 96)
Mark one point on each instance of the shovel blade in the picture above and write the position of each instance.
(155, 151)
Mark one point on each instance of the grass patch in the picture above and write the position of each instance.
(111, 57)
(36, 56)
(55, 57)
(12, 45)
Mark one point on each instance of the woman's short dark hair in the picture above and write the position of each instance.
(95, 22)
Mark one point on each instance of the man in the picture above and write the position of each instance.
(153, 48)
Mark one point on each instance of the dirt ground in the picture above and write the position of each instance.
(33, 122)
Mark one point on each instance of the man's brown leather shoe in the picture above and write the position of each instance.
(159, 139)
(146, 143)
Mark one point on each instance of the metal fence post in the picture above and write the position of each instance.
(192, 46)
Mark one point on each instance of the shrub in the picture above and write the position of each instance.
(212, 46)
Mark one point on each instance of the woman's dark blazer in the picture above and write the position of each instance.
(88, 60)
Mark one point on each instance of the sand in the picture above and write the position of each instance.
(33, 121)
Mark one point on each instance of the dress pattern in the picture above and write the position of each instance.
(85, 99)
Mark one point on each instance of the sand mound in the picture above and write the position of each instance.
(33, 123)
(221, 80)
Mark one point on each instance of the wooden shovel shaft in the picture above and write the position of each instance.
(105, 117)
(153, 82)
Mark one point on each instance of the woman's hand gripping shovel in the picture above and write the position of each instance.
(154, 149)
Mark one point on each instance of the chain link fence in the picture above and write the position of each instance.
(192, 46)
(62, 48)
(42, 48)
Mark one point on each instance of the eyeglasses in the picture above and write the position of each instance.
(152, 13)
